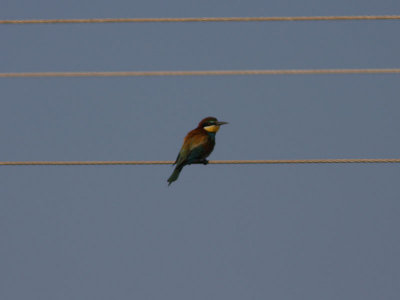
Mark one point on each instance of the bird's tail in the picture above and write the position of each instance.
(174, 176)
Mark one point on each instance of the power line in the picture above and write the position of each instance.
(200, 73)
(203, 19)
(219, 162)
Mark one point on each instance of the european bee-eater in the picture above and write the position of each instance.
(197, 145)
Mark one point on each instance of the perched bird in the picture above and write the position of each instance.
(197, 145)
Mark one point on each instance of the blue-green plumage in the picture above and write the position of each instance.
(197, 146)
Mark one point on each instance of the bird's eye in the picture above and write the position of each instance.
(209, 123)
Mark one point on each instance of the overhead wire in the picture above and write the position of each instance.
(199, 73)
(204, 19)
(218, 162)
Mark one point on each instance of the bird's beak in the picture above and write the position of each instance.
(219, 123)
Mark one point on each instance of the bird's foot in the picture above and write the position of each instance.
(199, 161)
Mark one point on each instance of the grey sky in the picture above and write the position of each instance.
(220, 231)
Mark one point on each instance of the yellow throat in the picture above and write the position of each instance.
(211, 128)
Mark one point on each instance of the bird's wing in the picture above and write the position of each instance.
(197, 140)
(183, 154)
(177, 158)
(191, 147)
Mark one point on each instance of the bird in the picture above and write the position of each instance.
(197, 146)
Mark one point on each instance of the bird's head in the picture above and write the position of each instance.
(211, 124)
